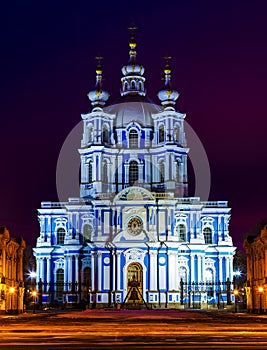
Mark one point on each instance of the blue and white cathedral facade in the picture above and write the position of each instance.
(133, 235)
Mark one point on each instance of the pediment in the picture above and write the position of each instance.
(134, 193)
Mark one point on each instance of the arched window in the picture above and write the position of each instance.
(60, 235)
(59, 283)
(182, 274)
(207, 232)
(90, 172)
(105, 134)
(176, 133)
(209, 279)
(177, 171)
(133, 172)
(161, 172)
(181, 232)
(161, 133)
(105, 173)
(132, 84)
(90, 134)
(87, 233)
(133, 139)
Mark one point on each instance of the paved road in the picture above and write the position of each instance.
(146, 329)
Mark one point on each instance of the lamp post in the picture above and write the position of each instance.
(34, 293)
(260, 289)
(11, 292)
(235, 294)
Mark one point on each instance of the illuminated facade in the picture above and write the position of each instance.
(134, 224)
(256, 289)
(11, 272)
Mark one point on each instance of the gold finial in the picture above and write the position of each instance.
(167, 69)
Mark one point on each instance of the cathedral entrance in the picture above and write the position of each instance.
(134, 283)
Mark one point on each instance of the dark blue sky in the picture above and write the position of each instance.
(219, 65)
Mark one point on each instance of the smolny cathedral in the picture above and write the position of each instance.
(133, 235)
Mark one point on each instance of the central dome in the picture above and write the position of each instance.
(133, 109)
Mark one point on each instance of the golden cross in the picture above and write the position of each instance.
(132, 28)
(99, 58)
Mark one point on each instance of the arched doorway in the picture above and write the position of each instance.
(134, 283)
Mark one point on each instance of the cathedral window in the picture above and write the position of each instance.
(133, 139)
(59, 283)
(181, 232)
(87, 233)
(133, 172)
(60, 236)
(90, 172)
(105, 134)
(207, 232)
(161, 133)
(161, 172)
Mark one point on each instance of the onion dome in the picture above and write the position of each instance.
(133, 80)
(167, 95)
(98, 97)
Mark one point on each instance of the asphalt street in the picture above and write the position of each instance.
(132, 329)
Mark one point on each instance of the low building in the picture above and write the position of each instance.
(11, 272)
(256, 289)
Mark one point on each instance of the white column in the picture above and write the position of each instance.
(77, 225)
(65, 270)
(76, 273)
(227, 267)
(172, 274)
(42, 269)
(199, 277)
(118, 270)
(153, 273)
(220, 269)
(203, 269)
(140, 172)
(38, 269)
(99, 271)
(48, 269)
(114, 270)
(69, 270)
(93, 270)
(126, 176)
(192, 268)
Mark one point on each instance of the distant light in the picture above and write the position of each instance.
(11, 290)
(237, 273)
(34, 293)
(236, 292)
(260, 289)
(33, 274)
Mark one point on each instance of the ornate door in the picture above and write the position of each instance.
(134, 283)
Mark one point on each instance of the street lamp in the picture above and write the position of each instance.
(260, 289)
(34, 293)
(236, 294)
(11, 292)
